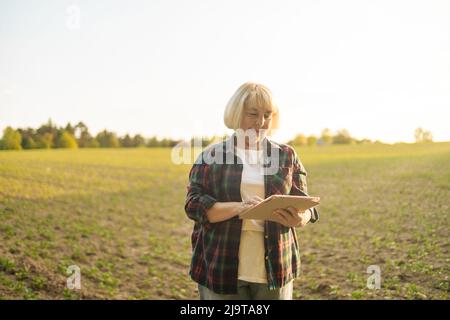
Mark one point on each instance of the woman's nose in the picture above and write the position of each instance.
(259, 122)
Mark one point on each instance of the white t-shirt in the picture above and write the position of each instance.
(251, 250)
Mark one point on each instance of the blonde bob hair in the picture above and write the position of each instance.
(246, 96)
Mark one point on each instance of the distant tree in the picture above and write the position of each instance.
(173, 143)
(70, 129)
(44, 141)
(28, 143)
(11, 140)
(326, 137)
(48, 127)
(80, 127)
(126, 141)
(47, 135)
(153, 142)
(342, 137)
(299, 140)
(138, 141)
(107, 139)
(165, 142)
(84, 138)
(364, 141)
(312, 140)
(91, 143)
(28, 138)
(422, 135)
(66, 140)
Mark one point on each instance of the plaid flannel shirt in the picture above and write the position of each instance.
(215, 246)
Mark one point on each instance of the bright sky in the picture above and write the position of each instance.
(167, 68)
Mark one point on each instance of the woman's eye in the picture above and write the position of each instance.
(267, 115)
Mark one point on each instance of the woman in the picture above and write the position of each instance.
(246, 259)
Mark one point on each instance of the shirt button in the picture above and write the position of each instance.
(267, 258)
(267, 237)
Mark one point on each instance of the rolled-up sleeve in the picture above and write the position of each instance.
(198, 201)
(299, 185)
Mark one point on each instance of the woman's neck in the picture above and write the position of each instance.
(244, 143)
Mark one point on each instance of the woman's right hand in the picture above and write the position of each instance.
(222, 211)
(244, 205)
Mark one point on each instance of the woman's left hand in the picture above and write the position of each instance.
(290, 217)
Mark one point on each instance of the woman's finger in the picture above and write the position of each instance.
(295, 214)
(287, 213)
(258, 198)
(293, 211)
(285, 216)
(281, 219)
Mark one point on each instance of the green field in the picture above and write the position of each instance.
(118, 214)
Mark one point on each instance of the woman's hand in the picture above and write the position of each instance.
(222, 211)
(290, 217)
(248, 204)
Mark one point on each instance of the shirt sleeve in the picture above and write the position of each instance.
(198, 201)
(299, 184)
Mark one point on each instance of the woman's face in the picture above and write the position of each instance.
(257, 119)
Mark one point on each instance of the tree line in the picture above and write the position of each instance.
(327, 137)
(343, 136)
(49, 136)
